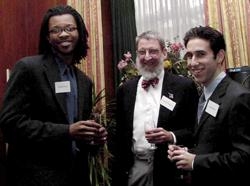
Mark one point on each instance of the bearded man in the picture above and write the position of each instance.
(161, 99)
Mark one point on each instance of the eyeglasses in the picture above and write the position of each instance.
(151, 52)
(59, 30)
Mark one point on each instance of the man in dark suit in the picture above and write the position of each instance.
(46, 108)
(168, 104)
(221, 153)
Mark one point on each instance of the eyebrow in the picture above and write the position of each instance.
(195, 52)
(67, 25)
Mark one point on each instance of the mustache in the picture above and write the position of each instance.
(149, 72)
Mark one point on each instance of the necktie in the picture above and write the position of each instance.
(71, 100)
(146, 83)
(71, 96)
(201, 105)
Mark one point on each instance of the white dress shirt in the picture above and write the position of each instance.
(147, 107)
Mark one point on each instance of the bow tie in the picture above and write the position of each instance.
(146, 83)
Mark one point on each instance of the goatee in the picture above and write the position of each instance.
(149, 72)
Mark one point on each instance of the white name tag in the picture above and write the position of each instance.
(168, 103)
(62, 87)
(212, 108)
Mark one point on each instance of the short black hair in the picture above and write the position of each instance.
(215, 38)
(81, 48)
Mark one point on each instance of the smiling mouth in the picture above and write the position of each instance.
(65, 43)
(196, 71)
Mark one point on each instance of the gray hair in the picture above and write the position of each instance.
(151, 35)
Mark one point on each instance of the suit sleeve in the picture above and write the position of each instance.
(19, 117)
(233, 155)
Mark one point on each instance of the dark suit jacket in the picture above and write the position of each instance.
(223, 142)
(181, 121)
(35, 125)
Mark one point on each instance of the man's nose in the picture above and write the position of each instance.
(147, 55)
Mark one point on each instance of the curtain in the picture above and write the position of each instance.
(232, 17)
(93, 65)
(124, 31)
(171, 18)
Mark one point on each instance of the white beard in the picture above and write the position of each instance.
(149, 72)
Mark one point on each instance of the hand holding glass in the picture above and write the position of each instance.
(149, 125)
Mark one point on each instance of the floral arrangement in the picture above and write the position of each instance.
(127, 67)
(174, 59)
(174, 51)
(173, 62)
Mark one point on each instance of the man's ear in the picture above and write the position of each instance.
(220, 56)
(165, 53)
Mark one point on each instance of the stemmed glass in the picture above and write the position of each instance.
(149, 125)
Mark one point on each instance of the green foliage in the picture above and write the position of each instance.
(99, 157)
(98, 166)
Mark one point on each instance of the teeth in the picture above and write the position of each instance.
(65, 43)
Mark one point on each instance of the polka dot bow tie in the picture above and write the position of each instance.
(146, 83)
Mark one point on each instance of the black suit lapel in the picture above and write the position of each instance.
(131, 92)
(167, 92)
(52, 73)
(216, 97)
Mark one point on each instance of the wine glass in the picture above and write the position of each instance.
(149, 125)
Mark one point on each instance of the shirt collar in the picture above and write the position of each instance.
(208, 90)
(62, 66)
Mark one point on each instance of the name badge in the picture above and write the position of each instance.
(62, 87)
(168, 103)
(212, 108)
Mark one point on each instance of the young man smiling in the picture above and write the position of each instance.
(221, 151)
(46, 108)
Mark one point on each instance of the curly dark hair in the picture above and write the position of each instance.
(208, 33)
(81, 48)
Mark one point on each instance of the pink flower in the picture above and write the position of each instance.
(127, 67)
(122, 64)
(128, 56)
(176, 47)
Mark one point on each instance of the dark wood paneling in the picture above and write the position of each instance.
(19, 31)
(107, 42)
(19, 36)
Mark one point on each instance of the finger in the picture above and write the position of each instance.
(171, 153)
(180, 164)
(91, 123)
(171, 147)
(170, 157)
(177, 147)
(185, 149)
(88, 128)
(176, 156)
(102, 130)
(178, 152)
